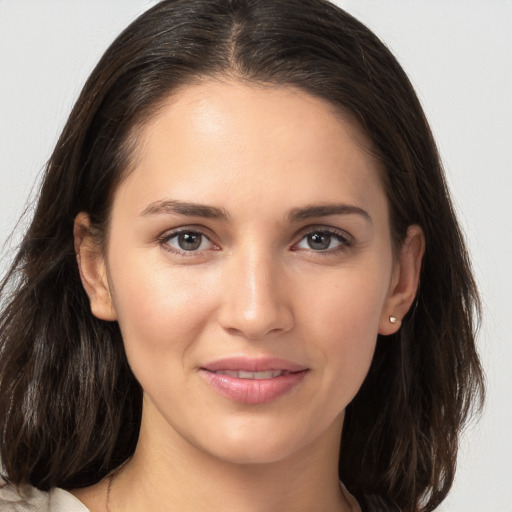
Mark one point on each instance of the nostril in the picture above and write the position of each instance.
(256, 327)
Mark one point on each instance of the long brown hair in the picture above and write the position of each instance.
(70, 407)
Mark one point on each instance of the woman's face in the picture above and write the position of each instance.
(250, 266)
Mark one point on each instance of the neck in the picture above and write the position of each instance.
(168, 469)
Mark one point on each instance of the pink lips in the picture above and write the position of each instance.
(253, 381)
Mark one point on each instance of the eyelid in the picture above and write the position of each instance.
(164, 238)
(322, 228)
(347, 240)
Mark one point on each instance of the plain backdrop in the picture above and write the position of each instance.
(458, 54)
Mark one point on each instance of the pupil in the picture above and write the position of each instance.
(319, 241)
(189, 241)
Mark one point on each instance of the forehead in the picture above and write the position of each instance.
(225, 136)
(208, 102)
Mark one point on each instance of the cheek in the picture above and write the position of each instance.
(160, 310)
(350, 301)
(344, 319)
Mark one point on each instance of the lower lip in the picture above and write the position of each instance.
(253, 391)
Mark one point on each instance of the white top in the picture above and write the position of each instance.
(30, 499)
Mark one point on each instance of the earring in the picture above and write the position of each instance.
(392, 319)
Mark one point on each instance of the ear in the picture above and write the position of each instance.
(92, 267)
(404, 282)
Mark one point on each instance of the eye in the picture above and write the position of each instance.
(187, 241)
(324, 241)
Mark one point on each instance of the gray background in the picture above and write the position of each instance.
(458, 54)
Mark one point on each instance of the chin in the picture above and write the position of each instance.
(251, 452)
(263, 442)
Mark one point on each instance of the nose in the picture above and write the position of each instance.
(256, 299)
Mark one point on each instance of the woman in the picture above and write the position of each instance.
(244, 280)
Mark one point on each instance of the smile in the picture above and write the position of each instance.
(253, 381)
(242, 374)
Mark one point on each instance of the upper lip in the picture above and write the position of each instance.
(260, 364)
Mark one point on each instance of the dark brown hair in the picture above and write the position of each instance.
(70, 407)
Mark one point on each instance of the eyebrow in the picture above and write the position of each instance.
(184, 208)
(324, 210)
(166, 207)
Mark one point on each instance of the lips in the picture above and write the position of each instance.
(242, 374)
(253, 381)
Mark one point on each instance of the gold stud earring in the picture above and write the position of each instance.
(393, 319)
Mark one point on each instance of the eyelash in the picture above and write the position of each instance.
(345, 241)
(164, 240)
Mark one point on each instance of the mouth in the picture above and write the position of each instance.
(258, 365)
(253, 381)
(242, 374)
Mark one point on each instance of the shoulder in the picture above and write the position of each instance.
(26, 498)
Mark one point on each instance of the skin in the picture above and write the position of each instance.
(255, 287)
